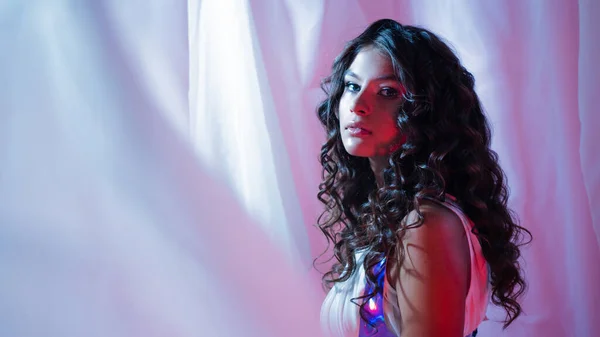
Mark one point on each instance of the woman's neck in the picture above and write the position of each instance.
(378, 165)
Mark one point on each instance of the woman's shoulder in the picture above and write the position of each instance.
(433, 270)
(436, 216)
(439, 236)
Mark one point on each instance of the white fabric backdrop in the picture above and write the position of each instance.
(110, 225)
(124, 213)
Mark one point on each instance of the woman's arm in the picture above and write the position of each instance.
(433, 280)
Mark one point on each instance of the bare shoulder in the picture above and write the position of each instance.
(436, 218)
(438, 243)
(441, 229)
(432, 279)
(440, 238)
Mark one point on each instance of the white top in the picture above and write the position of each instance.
(340, 317)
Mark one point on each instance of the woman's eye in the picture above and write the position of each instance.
(352, 87)
(388, 92)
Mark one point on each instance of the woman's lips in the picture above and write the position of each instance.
(358, 132)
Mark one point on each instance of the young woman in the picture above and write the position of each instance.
(415, 201)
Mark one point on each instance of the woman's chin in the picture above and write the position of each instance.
(359, 151)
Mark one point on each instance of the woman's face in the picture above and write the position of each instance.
(369, 106)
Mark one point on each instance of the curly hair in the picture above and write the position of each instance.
(447, 150)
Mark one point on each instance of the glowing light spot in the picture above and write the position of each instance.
(372, 305)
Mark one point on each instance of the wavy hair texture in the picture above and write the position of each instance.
(447, 150)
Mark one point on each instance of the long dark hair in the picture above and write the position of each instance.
(447, 150)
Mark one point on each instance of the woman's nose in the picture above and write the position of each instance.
(359, 105)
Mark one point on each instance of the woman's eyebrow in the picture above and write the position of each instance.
(380, 78)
